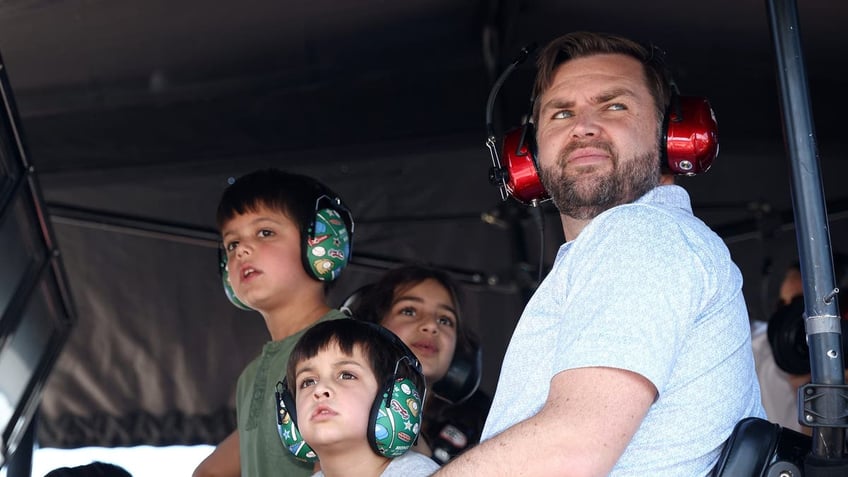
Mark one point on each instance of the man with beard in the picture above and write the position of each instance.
(633, 357)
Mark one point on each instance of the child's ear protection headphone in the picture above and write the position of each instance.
(395, 419)
(463, 376)
(326, 243)
(688, 147)
(224, 272)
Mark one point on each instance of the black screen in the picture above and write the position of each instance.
(35, 309)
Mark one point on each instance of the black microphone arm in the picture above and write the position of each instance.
(496, 87)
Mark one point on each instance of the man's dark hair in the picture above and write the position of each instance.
(582, 44)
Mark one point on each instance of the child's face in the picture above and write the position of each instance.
(334, 394)
(263, 258)
(424, 318)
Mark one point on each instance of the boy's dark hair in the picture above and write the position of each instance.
(383, 350)
(285, 192)
(582, 44)
(94, 469)
(377, 299)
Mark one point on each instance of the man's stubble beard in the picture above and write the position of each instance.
(584, 193)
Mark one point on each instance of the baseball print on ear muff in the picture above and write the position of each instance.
(395, 418)
(396, 413)
(327, 247)
(287, 425)
(688, 146)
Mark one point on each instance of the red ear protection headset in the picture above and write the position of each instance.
(688, 147)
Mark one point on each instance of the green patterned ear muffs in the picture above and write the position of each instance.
(326, 253)
(287, 426)
(225, 280)
(396, 418)
(394, 421)
(327, 247)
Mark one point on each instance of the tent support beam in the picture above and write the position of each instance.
(209, 238)
(813, 237)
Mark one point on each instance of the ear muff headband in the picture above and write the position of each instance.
(689, 144)
(395, 417)
(514, 169)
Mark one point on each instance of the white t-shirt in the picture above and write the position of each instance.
(411, 464)
(779, 399)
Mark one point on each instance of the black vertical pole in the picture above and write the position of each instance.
(20, 461)
(813, 236)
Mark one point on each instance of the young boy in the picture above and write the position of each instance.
(284, 237)
(353, 395)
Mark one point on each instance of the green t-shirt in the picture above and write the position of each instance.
(261, 452)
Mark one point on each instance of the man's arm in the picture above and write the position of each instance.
(587, 421)
(223, 461)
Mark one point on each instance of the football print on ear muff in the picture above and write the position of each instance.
(327, 249)
(224, 272)
(287, 425)
(396, 418)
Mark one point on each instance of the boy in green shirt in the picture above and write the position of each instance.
(284, 236)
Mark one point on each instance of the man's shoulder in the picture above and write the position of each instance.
(659, 205)
(659, 216)
(638, 226)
